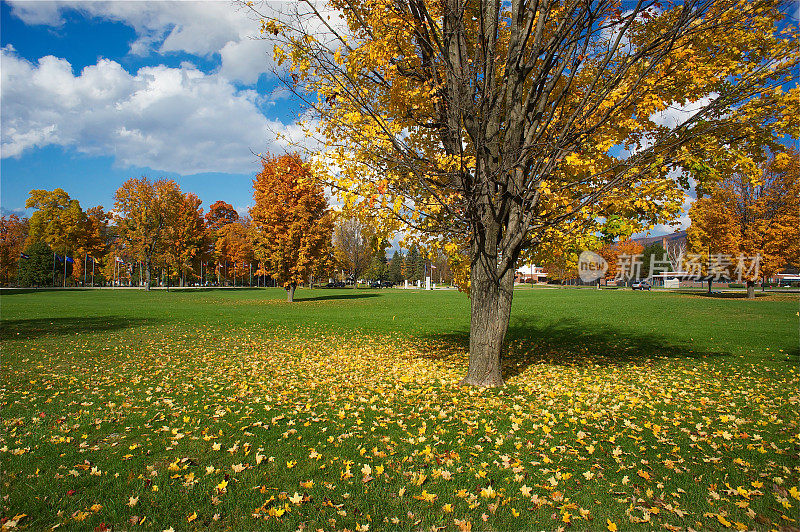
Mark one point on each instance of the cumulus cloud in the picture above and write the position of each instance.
(169, 119)
(201, 28)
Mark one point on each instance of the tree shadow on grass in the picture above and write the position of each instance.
(721, 295)
(334, 296)
(35, 328)
(567, 342)
(193, 289)
(5, 292)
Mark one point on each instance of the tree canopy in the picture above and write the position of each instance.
(292, 223)
(745, 218)
(13, 233)
(490, 128)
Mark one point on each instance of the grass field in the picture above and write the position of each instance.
(235, 410)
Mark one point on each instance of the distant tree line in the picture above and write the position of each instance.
(156, 234)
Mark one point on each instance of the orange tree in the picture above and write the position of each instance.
(13, 232)
(97, 236)
(144, 211)
(219, 215)
(234, 246)
(293, 226)
(612, 253)
(184, 234)
(751, 212)
(93, 240)
(489, 128)
(58, 221)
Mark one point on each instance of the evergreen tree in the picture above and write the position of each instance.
(653, 252)
(378, 269)
(396, 268)
(420, 270)
(36, 268)
(412, 262)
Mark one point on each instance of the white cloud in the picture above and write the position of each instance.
(47, 13)
(245, 60)
(169, 119)
(201, 28)
(675, 114)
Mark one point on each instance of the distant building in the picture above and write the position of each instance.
(530, 274)
(676, 238)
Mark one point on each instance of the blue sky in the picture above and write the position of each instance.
(94, 93)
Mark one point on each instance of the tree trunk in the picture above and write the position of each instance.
(490, 301)
(709, 286)
(290, 292)
(751, 289)
(147, 274)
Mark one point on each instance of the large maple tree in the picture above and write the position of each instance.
(59, 222)
(491, 129)
(293, 225)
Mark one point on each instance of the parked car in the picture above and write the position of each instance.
(641, 285)
(381, 284)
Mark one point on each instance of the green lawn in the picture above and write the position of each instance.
(233, 409)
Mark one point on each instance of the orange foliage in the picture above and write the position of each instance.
(612, 253)
(748, 217)
(158, 223)
(220, 214)
(292, 223)
(13, 232)
(184, 232)
(234, 248)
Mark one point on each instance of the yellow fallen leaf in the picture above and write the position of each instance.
(488, 492)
